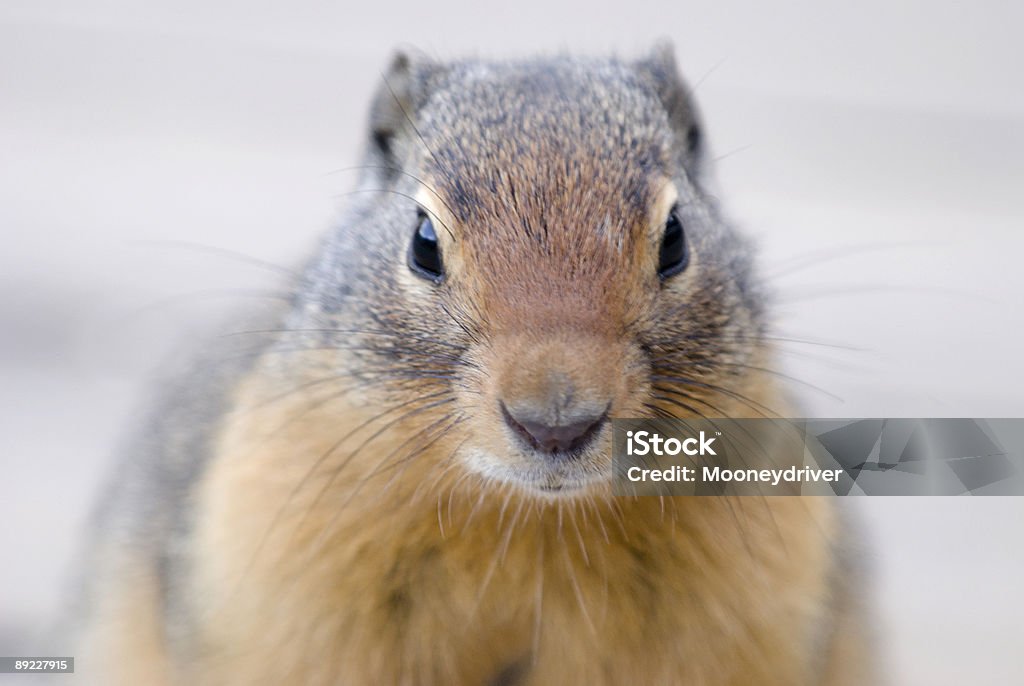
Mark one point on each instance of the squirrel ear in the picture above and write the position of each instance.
(660, 68)
(404, 87)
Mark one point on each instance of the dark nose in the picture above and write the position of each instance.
(559, 439)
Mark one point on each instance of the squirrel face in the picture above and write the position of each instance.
(542, 256)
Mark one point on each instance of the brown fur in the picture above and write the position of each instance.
(365, 516)
(589, 591)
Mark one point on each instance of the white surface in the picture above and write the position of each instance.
(888, 136)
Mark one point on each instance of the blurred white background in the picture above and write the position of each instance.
(875, 149)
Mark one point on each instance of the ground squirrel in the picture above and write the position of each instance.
(406, 480)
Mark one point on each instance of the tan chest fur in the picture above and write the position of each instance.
(375, 569)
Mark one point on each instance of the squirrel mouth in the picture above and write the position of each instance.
(558, 483)
(552, 488)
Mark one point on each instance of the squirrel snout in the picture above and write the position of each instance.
(559, 439)
(554, 394)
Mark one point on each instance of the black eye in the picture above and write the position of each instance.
(675, 254)
(424, 253)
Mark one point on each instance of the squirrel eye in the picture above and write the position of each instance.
(675, 254)
(424, 253)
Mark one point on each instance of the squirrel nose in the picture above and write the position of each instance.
(554, 439)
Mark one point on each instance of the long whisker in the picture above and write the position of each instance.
(445, 421)
(220, 252)
(819, 291)
(749, 402)
(403, 172)
(335, 473)
(301, 483)
(781, 375)
(351, 332)
(757, 338)
(178, 298)
(816, 257)
(433, 215)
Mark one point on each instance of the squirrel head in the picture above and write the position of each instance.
(533, 250)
